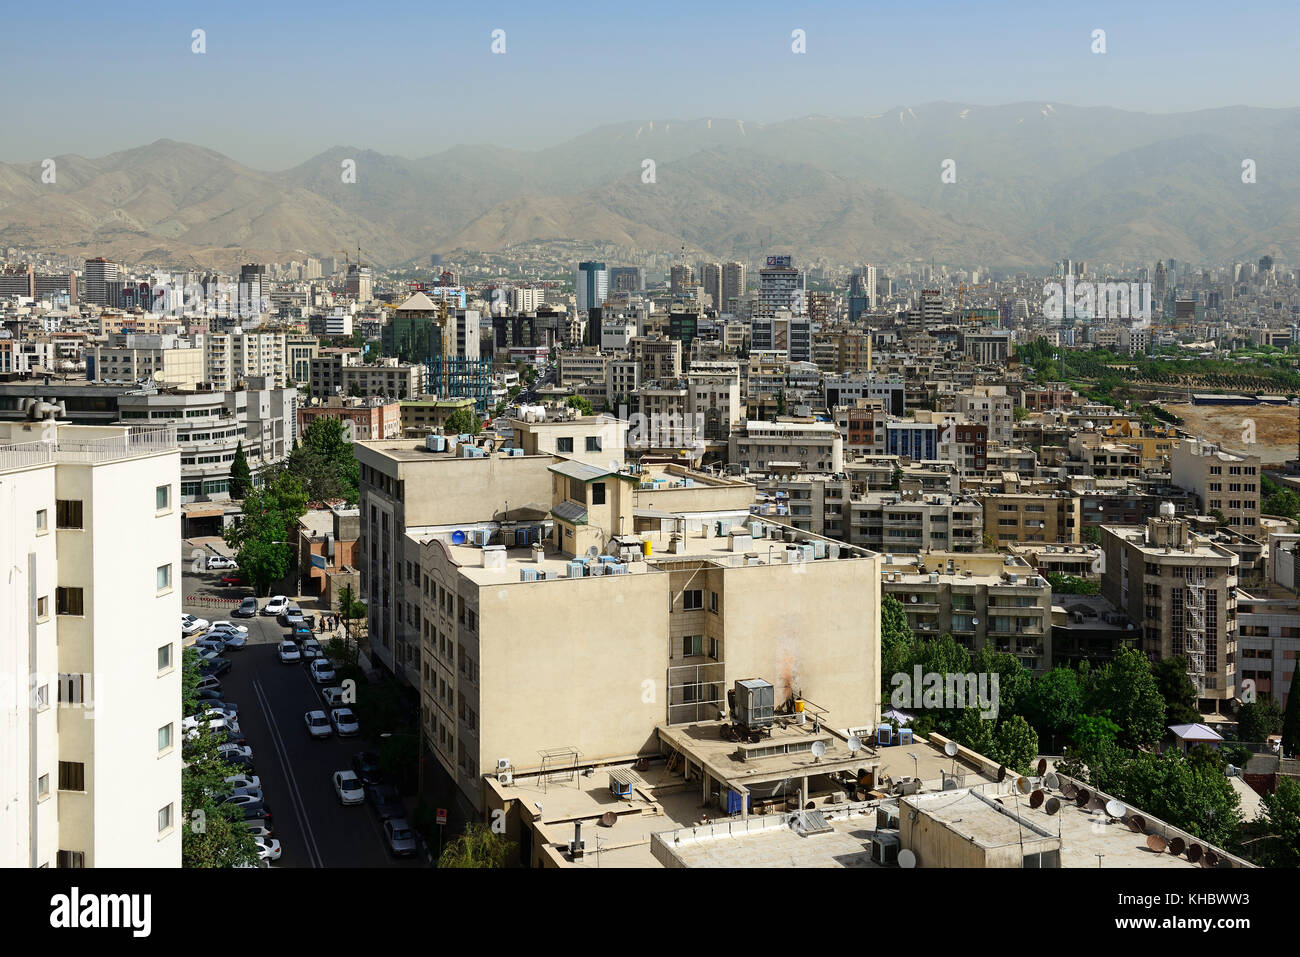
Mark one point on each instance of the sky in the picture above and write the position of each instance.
(282, 81)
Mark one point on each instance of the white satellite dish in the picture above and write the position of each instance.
(818, 749)
(593, 552)
(950, 749)
(913, 599)
(1051, 782)
(906, 859)
(854, 743)
(974, 621)
(1023, 785)
(1115, 808)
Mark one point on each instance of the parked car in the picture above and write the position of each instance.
(247, 608)
(400, 837)
(345, 722)
(223, 625)
(312, 649)
(268, 849)
(237, 757)
(291, 617)
(349, 788)
(318, 726)
(301, 633)
(215, 708)
(235, 579)
(221, 561)
(321, 670)
(191, 625)
(215, 720)
(289, 652)
(245, 800)
(231, 640)
(208, 684)
(210, 643)
(256, 812)
(276, 605)
(214, 668)
(259, 827)
(244, 781)
(366, 766)
(385, 800)
(333, 697)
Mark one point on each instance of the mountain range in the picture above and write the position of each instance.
(1034, 182)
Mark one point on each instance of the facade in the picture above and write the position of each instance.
(340, 373)
(364, 419)
(236, 356)
(93, 765)
(1224, 481)
(592, 285)
(96, 279)
(1033, 517)
(176, 365)
(787, 446)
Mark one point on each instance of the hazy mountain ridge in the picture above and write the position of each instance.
(1035, 181)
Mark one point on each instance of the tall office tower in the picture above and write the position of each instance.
(711, 282)
(681, 279)
(91, 596)
(310, 269)
(1161, 283)
(254, 288)
(626, 279)
(1265, 264)
(1065, 268)
(862, 285)
(733, 287)
(592, 285)
(931, 306)
(1080, 269)
(329, 265)
(359, 284)
(778, 283)
(98, 274)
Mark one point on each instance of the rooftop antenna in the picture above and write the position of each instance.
(818, 749)
(854, 744)
(951, 749)
(906, 859)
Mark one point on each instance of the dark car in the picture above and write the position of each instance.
(247, 608)
(214, 668)
(237, 761)
(386, 801)
(300, 633)
(256, 811)
(366, 766)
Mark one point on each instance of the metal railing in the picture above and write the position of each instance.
(138, 441)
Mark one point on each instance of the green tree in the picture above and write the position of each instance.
(1054, 703)
(1284, 503)
(1291, 719)
(1020, 413)
(1218, 516)
(1015, 744)
(780, 402)
(1282, 821)
(1125, 691)
(479, 846)
(463, 422)
(975, 732)
(241, 477)
(1072, 584)
(581, 404)
(895, 642)
(1256, 720)
(261, 536)
(1177, 689)
(324, 464)
(1192, 795)
(1093, 735)
(1091, 535)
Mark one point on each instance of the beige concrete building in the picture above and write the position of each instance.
(1183, 590)
(91, 712)
(1225, 481)
(178, 367)
(787, 447)
(1032, 518)
(596, 439)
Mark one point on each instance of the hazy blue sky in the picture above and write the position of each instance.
(281, 81)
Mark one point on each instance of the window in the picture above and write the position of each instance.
(597, 493)
(564, 444)
(43, 787)
(72, 689)
(713, 602)
(692, 645)
(164, 737)
(41, 699)
(164, 819)
(593, 443)
(68, 513)
(164, 577)
(162, 498)
(72, 859)
(164, 657)
(72, 777)
(693, 600)
(68, 601)
(43, 520)
(715, 648)
(43, 608)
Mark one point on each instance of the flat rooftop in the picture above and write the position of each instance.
(770, 841)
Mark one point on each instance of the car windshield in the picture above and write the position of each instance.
(401, 834)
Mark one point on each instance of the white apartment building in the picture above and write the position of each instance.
(235, 356)
(788, 446)
(991, 406)
(90, 686)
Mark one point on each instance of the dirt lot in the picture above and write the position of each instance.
(1276, 427)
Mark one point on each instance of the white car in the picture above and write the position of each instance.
(318, 726)
(349, 788)
(289, 652)
(221, 561)
(228, 626)
(321, 670)
(311, 649)
(191, 726)
(276, 605)
(333, 697)
(244, 781)
(243, 750)
(191, 625)
(345, 722)
(268, 848)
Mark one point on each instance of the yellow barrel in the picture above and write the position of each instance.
(798, 705)
(646, 547)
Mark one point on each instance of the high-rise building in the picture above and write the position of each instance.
(98, 274)
(592, 285)
(733, 287)
(778, 286)
(359, 284)
(92, 540)
(711, 281)
(681, 279)
(1227, 482)
(626, 279)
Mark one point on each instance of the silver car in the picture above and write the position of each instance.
(400, 836)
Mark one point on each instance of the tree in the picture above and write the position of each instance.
(1054, 703)
(1192, 795)
(1020, 413)
(1091, 535)
(463, 422)
(1015, 744)
(975, 732)
(1284, 503)
(1072, 584)
(896, 642)
(1256, 720)
(261, 536)
(1093, 735)
(1282, 820)
(241, 477)
(581, 404)
(1125, 691)
(1178, 690)
(324, 463)
(1291, 719)
(1218, 516)
(780, 402)
(479, 846)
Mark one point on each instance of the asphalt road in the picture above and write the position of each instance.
(313, 828)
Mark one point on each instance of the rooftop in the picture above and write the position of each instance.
(79, 444)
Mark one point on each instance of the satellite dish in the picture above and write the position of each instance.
(974, 621)
(1053, 805)
(906, 859)
(1115, 808)
(1036, 799)
(1002, 773)
(1068, 791)
(615, 465)
(950, 749)
(1051, 781)
(1137, 822)
(818, 749)
(1083, 797)
(608, 819)
(1211, 859)
(913, 599)
(1042, 766)
(593, 552)
(1176, 846)
(1194, 853)
(854, 743)
(1023, 785)
(1157, 843)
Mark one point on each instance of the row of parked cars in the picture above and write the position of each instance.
(364, 784)
(222, 718)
